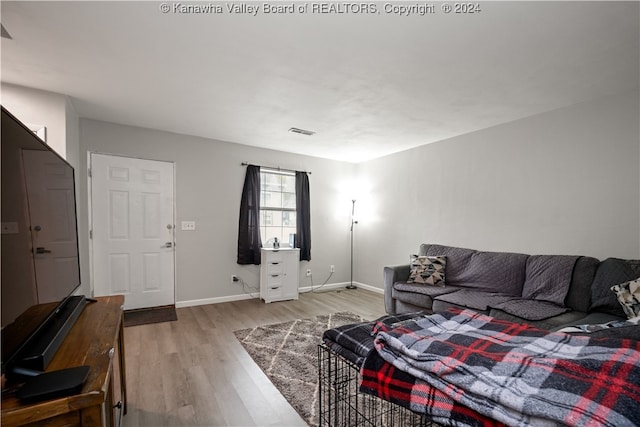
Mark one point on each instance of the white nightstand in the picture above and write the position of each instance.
(279, 274)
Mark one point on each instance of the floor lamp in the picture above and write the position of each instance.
(353, 222)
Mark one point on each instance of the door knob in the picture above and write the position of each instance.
(41, 250)
(168, 245)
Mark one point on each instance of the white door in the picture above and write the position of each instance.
(52, 214)
(133, 230)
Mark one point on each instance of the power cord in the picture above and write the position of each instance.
(319, 287)
(245, 286)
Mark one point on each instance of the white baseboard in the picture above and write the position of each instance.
(334, 286)
(369, 288)
(231, 298)
(218, 300)
(327, 287)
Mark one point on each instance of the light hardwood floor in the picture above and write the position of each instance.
(194, 372)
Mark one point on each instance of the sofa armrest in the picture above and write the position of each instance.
(393, 274)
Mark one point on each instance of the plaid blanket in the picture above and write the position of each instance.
(505, 371)
(383, 380)
(354, 342)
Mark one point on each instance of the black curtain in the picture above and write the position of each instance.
(249, 242)
(303, 216)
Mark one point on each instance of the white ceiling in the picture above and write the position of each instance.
(367, 84)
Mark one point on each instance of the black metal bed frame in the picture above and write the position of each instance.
(342, 404)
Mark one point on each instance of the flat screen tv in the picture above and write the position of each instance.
(40, 264)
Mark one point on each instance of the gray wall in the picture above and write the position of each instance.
(37, 107)
(563, 182)
(209, 180)
(567, 181)
(57, 114)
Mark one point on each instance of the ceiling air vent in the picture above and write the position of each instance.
(301, 131)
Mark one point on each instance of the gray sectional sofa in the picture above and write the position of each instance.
(546, 291)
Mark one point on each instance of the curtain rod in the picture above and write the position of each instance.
(278, 168)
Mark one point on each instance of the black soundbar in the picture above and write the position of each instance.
(43, 346)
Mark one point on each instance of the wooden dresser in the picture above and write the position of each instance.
(96, 340)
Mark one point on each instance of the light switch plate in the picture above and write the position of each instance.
(188, 225)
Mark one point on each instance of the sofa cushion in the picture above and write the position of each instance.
(611, 272)
(631, 332)
(440, 306)
(591, 319)
(531, 309)
(407, 307)
(549, 323)
(492, 271)
(424, 290)
(428, 270)
(548, 277)
(602, 325)
(419, 295)
(628, 295)
(470, 298)
(579, 295)
(457, 258)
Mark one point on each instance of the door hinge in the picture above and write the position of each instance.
(89, 172)
(90, 234)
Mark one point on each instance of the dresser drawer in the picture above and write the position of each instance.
(274, 280)
(274, 292)
(275, 268)
(276, 256)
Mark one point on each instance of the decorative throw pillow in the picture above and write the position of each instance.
(427, 270)
(628, 294)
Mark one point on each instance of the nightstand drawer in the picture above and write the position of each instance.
(274, 292)
(276, 256)
(274, 268)
(274, 280)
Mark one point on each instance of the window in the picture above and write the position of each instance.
(277, 207)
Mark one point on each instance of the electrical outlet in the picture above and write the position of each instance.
(234, 278)
(332, 269)
(308, 272)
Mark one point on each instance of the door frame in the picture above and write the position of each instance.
(90, 218)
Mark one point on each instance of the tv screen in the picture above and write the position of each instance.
(40, 264)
